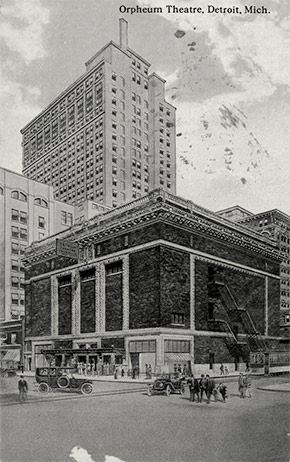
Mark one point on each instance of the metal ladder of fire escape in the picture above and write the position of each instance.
(235, 345)
(255, 339)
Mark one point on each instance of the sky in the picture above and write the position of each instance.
(228, 75)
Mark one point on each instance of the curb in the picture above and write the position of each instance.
(273, 389)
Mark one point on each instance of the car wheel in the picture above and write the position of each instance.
(63, 382)
(87, 388)
(182, 390)
(168, 390)
(149, 391)
(43, 388)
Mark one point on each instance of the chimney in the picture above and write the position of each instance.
(123, 31)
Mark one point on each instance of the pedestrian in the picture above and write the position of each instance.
(226, 370)
(241, 385)
(193, 388)
(247, 385)
(211, 389)
(202, 387)
(149, 371)
(23, 389)
(222, 369)
(190, 382)
(122, 372)
(222, 389)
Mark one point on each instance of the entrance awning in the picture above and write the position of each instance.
(11, 355)
(177, 357)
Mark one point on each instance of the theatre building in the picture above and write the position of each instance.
(157, 281)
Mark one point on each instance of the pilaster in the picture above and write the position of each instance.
(266, 305)
(76, 302)
(192, 291)
(54, 306)
(126, 292)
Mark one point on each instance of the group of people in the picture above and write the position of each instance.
(205, 386)
(224, 370)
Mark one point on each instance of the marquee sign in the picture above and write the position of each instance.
(67, 249)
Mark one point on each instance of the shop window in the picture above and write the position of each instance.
(176, 346)
(142, 346)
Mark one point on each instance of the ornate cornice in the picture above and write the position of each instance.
(158, 206)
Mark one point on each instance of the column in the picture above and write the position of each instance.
(76, 302)
(98, 296)
(192, 292)
(126, 292)
(102, 295)
(266, 305)
(54, 306)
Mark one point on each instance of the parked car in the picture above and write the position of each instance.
(8, 372)
(62, 378)
(167, 384)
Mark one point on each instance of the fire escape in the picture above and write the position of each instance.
(242, 336)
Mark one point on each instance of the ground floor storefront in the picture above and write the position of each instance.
(138, 353)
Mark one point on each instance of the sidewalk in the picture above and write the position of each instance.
(284, 387)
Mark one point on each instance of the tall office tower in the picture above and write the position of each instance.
(110, 136)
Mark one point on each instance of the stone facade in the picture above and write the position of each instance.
(158, 286)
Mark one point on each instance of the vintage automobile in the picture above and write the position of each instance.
(167, 384)
(8, 372)
(62, 378)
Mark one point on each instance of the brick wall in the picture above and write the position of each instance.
(64, 309)
(205, 345)
(38, 308)
(216, 248)
(88, 305)
(114, 302)
(274, 306)
(247, 290)
(144, 289)
(174, 285)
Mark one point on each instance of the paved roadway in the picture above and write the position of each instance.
(135, 427)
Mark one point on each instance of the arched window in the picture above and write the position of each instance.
(19, 195)
(40, 202)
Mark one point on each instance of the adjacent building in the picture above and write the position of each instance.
(28, 212)
(157, 281)
(275, 225)
(108, 137)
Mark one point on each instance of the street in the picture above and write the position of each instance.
(135, 427)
